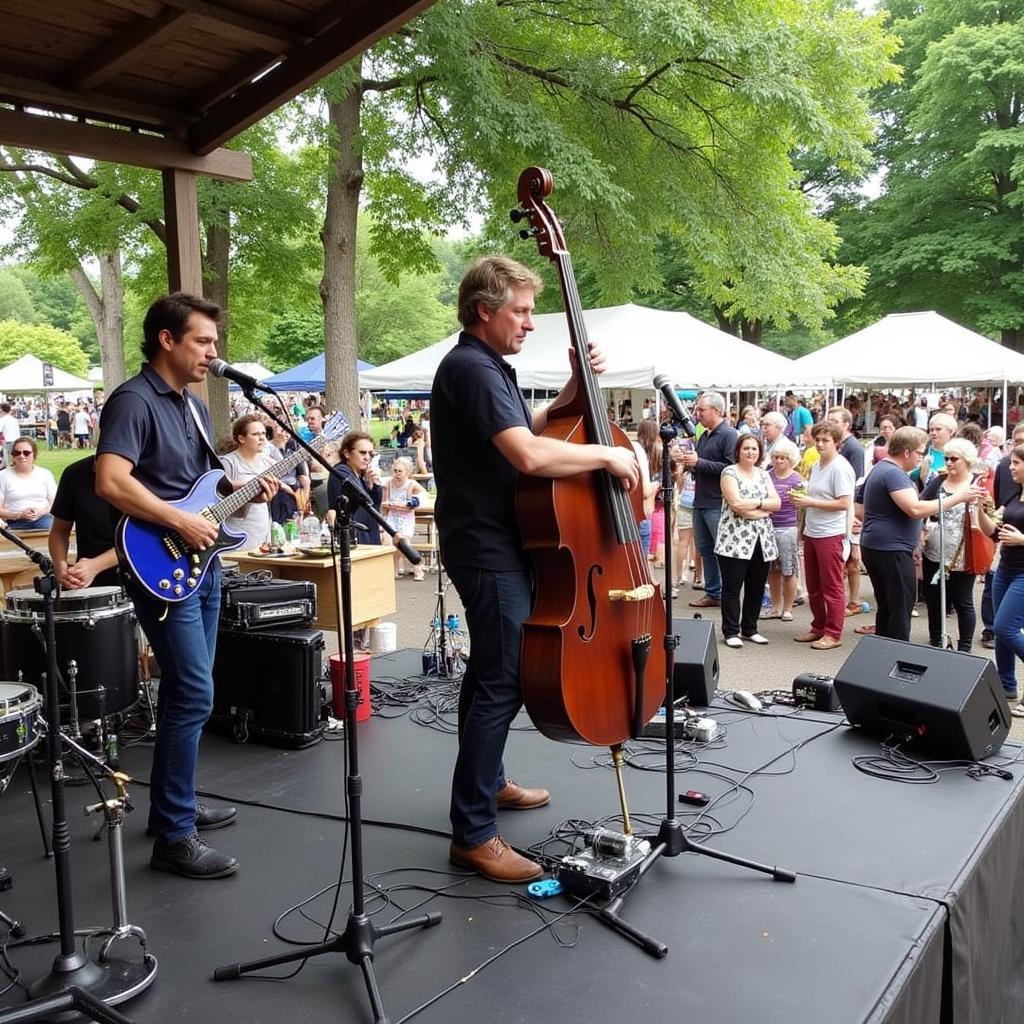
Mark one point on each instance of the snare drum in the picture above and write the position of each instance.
(95, 629)
(19, 711)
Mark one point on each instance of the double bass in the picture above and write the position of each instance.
(586, 669)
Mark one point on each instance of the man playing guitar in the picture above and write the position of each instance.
(154, 444)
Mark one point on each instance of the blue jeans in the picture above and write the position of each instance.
(496, 605)
(42, 523)
(705, 533)
(1008, 598)
(184, 644)
(644, 526)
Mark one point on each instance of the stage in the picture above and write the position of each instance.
(907, 907)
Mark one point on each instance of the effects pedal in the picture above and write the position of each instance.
(609, 865)
(816, 692)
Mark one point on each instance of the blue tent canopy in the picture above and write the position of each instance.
(307, 376)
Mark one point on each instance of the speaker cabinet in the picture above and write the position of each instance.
(950, 705)
(268, 686)
(696, 666)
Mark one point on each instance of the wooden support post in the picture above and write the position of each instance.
(184, 256)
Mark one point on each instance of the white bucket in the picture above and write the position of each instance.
(384, 638)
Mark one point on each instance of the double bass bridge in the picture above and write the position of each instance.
(642, 593)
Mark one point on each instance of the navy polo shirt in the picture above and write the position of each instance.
(476, 396)
(148, 423)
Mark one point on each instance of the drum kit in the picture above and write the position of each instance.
(87, 641)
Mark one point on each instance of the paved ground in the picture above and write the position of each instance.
(769, 667)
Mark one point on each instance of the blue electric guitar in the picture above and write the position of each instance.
(160, 560)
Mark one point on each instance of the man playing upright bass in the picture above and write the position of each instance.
(483, 436)
(154, 445)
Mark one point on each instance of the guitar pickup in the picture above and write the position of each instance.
(642, 593)
(174, 545)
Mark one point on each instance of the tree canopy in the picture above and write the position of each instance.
(50, 344)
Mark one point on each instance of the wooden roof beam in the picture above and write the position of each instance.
(268, 35)
(95, 142)
(350, 36)
(122, 49)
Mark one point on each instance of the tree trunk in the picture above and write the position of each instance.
(215, 288)
(1013, 337)
(740, 327)
(338, 285)
(106, 308)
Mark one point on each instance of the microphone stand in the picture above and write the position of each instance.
(671, 840)
(74, 981)
(357, 941)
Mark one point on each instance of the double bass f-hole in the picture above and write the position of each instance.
(585, 632)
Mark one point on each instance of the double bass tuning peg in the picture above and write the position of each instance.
(526, 233)
(516, 215)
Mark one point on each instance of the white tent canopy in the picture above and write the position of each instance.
(638, 344)
(911, 348)
(26, 375)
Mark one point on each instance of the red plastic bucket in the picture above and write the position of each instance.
(362, 672)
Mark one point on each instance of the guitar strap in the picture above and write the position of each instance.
(211, 451)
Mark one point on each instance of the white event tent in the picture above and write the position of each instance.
(639, 343)
(904, 349)
(26, 375)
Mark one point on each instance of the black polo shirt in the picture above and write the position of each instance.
(148, 423)
(716, 449)
(94, 519)
(475, 396)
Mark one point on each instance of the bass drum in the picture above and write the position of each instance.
(95, 629)
(19, 714)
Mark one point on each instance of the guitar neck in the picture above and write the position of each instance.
(229, 505)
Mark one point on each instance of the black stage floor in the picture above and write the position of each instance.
(907, 907)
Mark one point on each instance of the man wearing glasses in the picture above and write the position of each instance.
(715, 449)
(891, 510)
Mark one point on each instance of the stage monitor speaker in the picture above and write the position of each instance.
(949, 704)
(696, 668)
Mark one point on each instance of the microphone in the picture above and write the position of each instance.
(221, 369)
(664, 385)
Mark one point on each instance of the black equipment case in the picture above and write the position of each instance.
(248, 603)
(269, 686)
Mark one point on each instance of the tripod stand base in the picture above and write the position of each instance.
(111, 982)
(356, 942)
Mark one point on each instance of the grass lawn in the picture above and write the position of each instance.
(60, 458)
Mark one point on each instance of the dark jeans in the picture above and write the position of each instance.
(184, 643)
(705, 536)
(1008, 596)
(988, 613)
(750, 576)
(895, 585)
(496, 605)
(960, 594)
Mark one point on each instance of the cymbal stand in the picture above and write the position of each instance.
(358, 939)
(670, 840)
(74, 981)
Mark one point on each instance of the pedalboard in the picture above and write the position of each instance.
(606, 868)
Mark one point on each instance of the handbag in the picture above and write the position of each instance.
(979, 549)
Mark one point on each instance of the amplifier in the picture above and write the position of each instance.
(247, 603)
(269, 686)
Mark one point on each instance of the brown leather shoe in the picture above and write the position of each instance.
(809, 637)
(496, 860)
(706, 602)
(513, 797)
(826, 643)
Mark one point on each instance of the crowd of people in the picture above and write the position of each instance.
(786, 500)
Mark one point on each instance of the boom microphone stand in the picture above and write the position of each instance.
(360, 934)
(671, 840)
(74, 981)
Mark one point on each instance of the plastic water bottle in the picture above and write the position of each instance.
(453, 622)
(310, 531)
(865, 607)
(766, 601)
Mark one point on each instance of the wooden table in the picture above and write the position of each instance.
(16, 570)
(373, 581)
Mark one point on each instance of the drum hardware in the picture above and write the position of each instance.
(74, 981)
(15, 928)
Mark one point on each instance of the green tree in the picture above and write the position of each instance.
(15, 301)
(947, 231)
(50, 344)
(655, 116)
(294, 338)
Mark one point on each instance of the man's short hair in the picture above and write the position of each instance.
(827, 428)
(491, 280)
(843, 412)
(775, 418)
(906, 439)
(171, 313)
(316, 408)
(715, 400)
